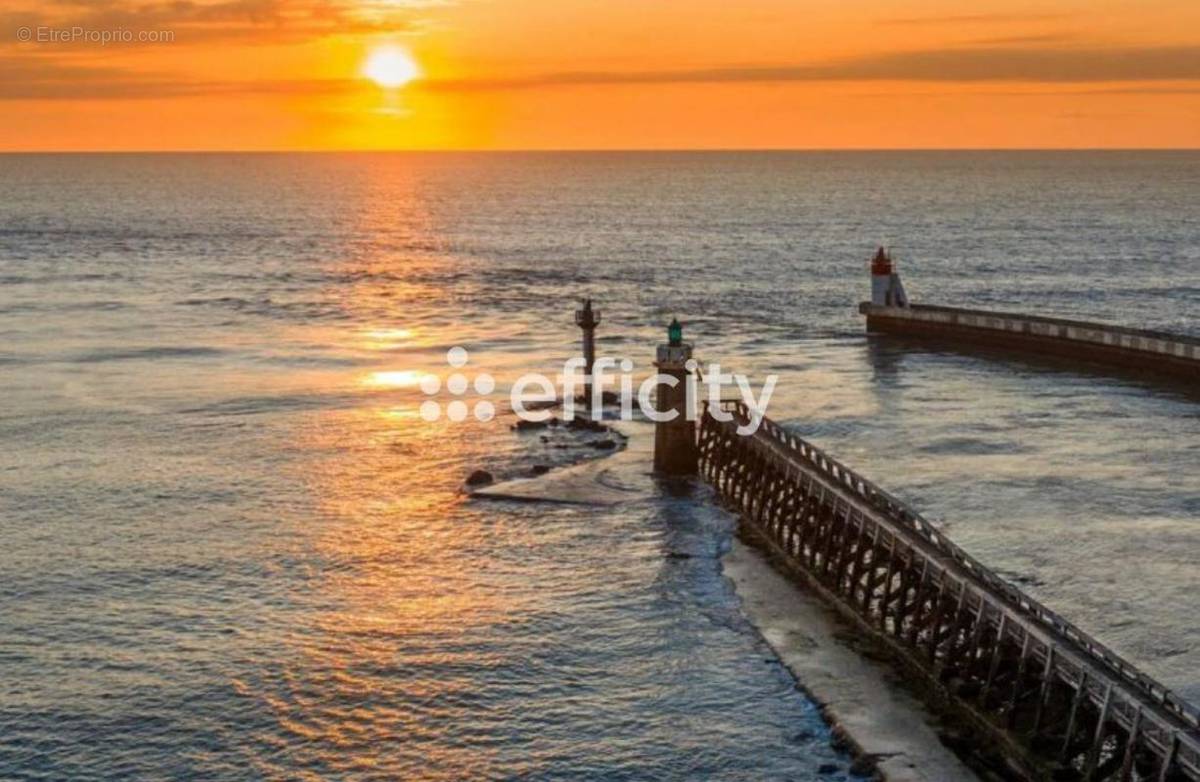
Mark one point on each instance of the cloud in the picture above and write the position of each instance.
(1034, 64)
(1048, 91)
(37, 77)
(1134, 91)
(1001, 64)
(972, 19)
(1020, 40)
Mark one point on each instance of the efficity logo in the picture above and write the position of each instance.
(457, 385)
(533, 396)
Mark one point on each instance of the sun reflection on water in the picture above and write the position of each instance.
(394, 378)
(387, 339)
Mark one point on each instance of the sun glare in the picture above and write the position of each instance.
(400, 378)
(391, 66)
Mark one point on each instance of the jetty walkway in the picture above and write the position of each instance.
(1054, 700)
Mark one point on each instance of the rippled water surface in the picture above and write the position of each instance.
(232, 548)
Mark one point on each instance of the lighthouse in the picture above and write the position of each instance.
(675, 437)
(886, 288)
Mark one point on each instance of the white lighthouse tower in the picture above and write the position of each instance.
(886, 288)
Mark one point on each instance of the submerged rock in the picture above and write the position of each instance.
(586, 425)
(527, 426)
(606, 398)
(607, 444)
(540, 469)
(479, 478)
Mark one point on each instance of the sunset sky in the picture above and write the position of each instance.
(598, 74)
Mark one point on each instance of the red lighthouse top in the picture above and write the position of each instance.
(881, 264)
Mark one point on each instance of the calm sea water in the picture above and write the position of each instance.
(232, 548)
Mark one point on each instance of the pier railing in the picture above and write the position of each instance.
(1044, 688)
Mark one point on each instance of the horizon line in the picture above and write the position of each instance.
(573, 150)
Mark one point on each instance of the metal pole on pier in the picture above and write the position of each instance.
(587, 319)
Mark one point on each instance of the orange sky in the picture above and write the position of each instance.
(592, 74)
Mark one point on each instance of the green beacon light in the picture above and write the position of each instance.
(675, 333)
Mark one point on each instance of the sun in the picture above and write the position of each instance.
(391, 66)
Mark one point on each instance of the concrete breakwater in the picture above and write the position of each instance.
(1056, 702)
(1149, 351)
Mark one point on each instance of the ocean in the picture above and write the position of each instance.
(234, 549)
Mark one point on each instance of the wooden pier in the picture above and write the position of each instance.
(1055, 701)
